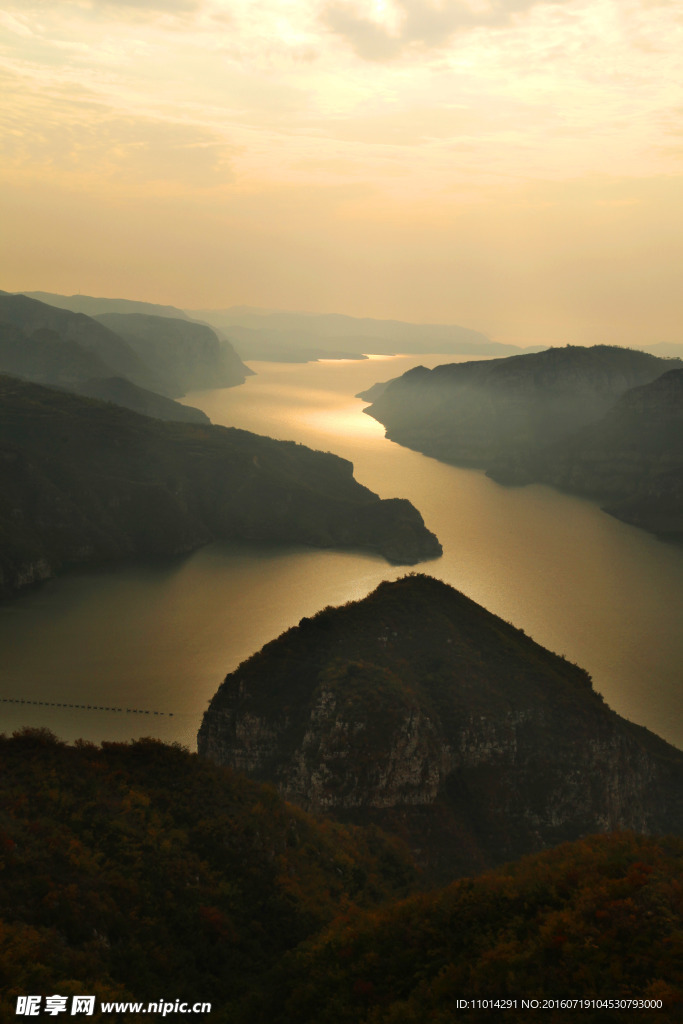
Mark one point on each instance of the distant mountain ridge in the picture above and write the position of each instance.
(185, 354)
(300, 337)
(94, 306)
(417, 710)
(83, 481)
(157, 356)
(30, 315)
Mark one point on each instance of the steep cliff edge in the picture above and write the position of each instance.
(84, 481)
(187, 355)
(418, 710)
(98, 338)
(93, 350)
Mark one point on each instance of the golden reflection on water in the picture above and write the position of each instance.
(342, 421)
(164, 635)
(605, 594)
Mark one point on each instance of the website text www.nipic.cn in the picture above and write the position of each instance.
(51, 1006)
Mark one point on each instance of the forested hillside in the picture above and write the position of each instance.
(418, 710)
(83, 481)
(140, 872)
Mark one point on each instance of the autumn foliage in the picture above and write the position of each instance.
(140, 871)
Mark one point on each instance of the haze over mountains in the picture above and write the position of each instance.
(595, 421)
(300, 337)
(162, 356)
(296, 337)
(509, 415)
(94, 305)
(631, 458)
(187, 351)
(413, 709)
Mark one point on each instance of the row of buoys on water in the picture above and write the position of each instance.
(81, 707)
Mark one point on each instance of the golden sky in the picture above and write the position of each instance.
(510, 165)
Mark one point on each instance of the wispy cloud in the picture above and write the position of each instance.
(390, 31)
(102, 148)
(370, 151)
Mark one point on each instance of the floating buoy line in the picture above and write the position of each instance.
(82, 707)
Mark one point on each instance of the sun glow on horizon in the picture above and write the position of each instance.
(512, 167)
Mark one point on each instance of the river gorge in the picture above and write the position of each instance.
(156, 639)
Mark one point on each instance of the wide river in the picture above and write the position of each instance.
(159, 638)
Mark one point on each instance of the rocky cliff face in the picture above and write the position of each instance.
(419, 711)
(187, 355)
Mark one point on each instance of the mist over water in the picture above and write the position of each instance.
(161, 637)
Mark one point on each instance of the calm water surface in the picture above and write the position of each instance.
(161, 637)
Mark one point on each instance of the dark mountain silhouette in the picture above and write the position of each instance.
(84, 481)
(178, 354)
(632, 458)
(120, 391)
(115, 355)
(46, 357)
(133, 360)
(527, 418)
(471, 413)
(419, 711)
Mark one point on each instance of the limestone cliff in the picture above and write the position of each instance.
(419, 711)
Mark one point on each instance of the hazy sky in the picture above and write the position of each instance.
(510, 165)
